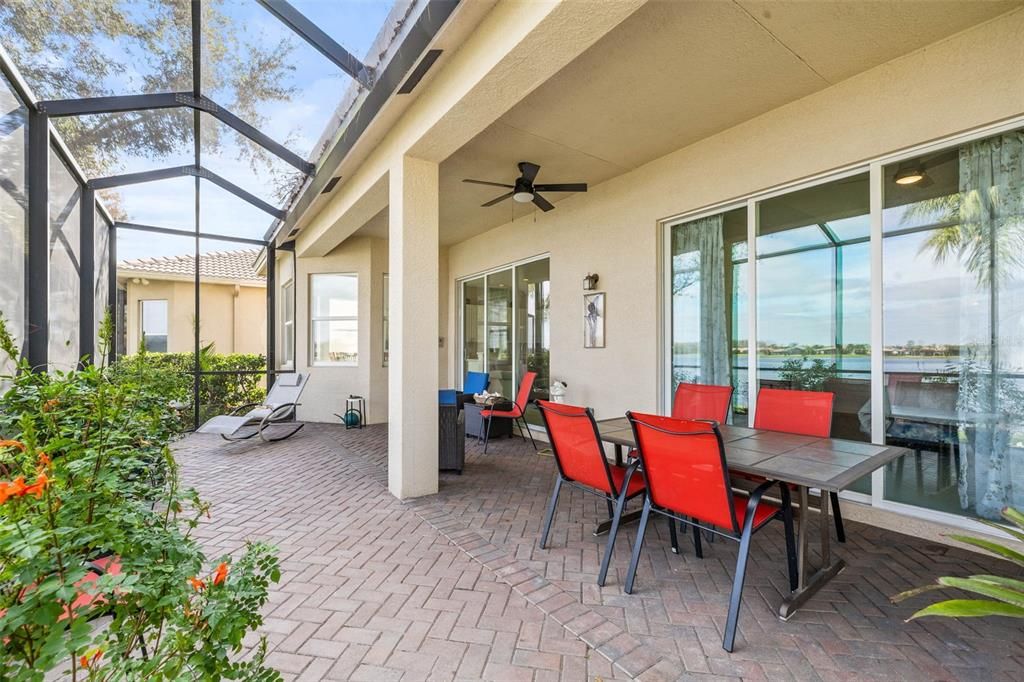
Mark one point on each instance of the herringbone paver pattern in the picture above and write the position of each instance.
(369, 590)
(453, 586)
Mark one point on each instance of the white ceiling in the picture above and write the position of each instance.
(672, 74)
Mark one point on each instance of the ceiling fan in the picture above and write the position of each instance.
(524, 191)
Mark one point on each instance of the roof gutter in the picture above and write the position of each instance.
(418, 37)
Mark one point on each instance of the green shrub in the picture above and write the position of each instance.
(86, 472)
(218, 393)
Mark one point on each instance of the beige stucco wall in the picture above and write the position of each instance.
(969, 80)
(328, 386)
(233, 318)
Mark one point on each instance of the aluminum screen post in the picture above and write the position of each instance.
(112, 293)
(271, 312)
(87, 277)
(38, 332)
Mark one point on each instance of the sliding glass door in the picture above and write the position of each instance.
(813, 298)
(506, 329)
(899, 289)
(953, 299)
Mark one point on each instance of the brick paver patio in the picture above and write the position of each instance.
(454, 587)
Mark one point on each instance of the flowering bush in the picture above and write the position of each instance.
(99, 576)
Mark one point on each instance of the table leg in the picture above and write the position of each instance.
(801, 540)
(809, 585)
(619, 461)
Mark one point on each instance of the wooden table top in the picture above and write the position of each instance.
(830, 464)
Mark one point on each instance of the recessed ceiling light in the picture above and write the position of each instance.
(910, 175)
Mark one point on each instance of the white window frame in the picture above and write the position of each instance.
(313, 319)
(873, 167)
(288, 325)
(167, 323)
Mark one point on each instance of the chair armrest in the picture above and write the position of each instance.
(755, 499)
(235, 412)
(278, 412)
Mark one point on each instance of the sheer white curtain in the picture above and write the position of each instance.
(990, 243)
(704, 237)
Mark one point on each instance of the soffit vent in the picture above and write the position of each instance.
(417, 73)
(331, 184)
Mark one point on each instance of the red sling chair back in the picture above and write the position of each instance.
(807, 413)
(684, 463)
(702, 401)
(577, 446)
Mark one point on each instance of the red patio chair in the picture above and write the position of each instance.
(517, 414)
(702, 401)
(805, 413)
(581, 462)
(687, 477)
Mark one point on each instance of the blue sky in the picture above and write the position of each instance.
(319, 86)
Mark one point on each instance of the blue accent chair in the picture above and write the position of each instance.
(476, 382)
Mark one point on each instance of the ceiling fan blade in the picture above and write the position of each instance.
(491, 184)
(529, 170)
(497, 200)
(562, 187)
(542, 203)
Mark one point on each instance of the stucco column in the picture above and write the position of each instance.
(413, 316)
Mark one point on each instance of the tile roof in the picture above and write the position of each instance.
(231, 265)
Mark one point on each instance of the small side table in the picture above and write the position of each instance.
(355, 412)
(475, 423)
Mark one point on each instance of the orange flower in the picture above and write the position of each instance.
(38, 487)
(197, 584)
(50, 404)
(221, 575)
(15, 488)
(12, 444)
(44, 460)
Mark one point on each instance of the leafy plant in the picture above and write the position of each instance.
(1003, 596)
(807, 378)
(87, 475)
(231, 386)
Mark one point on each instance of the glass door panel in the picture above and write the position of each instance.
(499, 333)
(953, 300)
(474, 357)
(708, 304)
(813, 299)
(533, 329)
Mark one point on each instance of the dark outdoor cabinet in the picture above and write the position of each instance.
(451, 450)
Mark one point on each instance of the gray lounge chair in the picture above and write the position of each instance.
(267, 419)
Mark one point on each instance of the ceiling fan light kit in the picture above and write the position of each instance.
(524, 191)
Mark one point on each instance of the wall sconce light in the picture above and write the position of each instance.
(590, 281)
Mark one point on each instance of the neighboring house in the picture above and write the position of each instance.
(156, 300)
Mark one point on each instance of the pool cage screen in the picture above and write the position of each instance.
(60, 261)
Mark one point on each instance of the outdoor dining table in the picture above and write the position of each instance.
(806, 462)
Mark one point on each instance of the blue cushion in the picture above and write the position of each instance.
(447, 396)
(476, 382)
